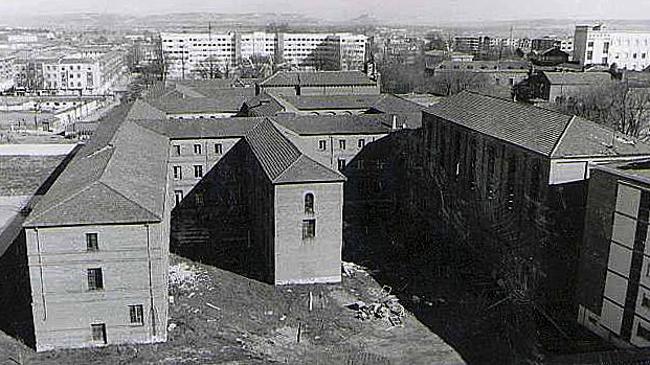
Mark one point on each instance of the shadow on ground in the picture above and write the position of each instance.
(448, 292)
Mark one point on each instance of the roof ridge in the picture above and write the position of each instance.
(129, 199)
(288, 167)
(30, 218)
(559, 140)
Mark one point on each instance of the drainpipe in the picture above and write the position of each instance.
(40, 268)
(153, 312)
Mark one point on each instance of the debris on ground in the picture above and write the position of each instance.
(350, 269)
(386, 307)
(185, 277)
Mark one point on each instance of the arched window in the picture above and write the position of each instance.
(309, 203)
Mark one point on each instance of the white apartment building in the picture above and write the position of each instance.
(79, 73)
(6, 71)
(187, 54)
(600, 46)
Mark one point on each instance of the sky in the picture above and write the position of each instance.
(419, 10)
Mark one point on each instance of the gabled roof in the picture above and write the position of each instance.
(116, 178)
(387, 103)
(201, 128)
(544, 131)
(577, 78)
(282, 161)
(318, 78)
(227, 103)
(337, 124)
(144, 110)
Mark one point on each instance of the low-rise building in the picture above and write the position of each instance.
(319, 83)
(510, 182)
(553, 85)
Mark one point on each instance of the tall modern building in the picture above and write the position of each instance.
(189, 54)
(596, 45)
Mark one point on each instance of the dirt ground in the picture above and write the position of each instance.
(217, 317)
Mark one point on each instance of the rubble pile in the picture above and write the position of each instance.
(184, 277)
(386, 307)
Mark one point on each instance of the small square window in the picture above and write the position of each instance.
(178, 172)
(361, 143)
(95, 279)
(99, 332)
(218, 149)
(342, 144)
(198, 199)
(643, 332)
(91, 242)
(322, 145)
(197, 149)
(645, 301)
(308, 229)
(136, 314)
(177, 150)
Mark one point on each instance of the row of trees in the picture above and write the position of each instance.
(614, 104)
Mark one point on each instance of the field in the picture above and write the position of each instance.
(217, 317)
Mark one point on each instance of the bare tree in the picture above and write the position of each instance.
(613, 104)
(453, 82)
(209, 68)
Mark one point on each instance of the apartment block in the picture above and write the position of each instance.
(598, 45)
(187, 53)
(7, 70)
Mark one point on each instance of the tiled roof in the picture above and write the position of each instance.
(533, 128)
(577, 78)
(116, 178)
(201, 128)
(262, 105)
(282, 161)
(318, 78)
(586, 138)
(387, 103)
(143, 110)
(336, 124)
(226, 103)
(544, 131)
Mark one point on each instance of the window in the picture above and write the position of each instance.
(309, 203)
(178, 172)
(99, 332)
(590, 44)
(590, 55)
(322, 145)
(645, 301)
(135, 312)
(197, 149)
(643, 332)
(177, 150)
(604, 61)
(341, 164)
(361, 143)
(605, 47)
(91, 242)
(198, 171)
(341, 144)
(308, 229)
(198, 199)
(218, 149)
(95, 279)
(178, 196)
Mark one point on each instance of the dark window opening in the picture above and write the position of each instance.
(91, 242)
(136, 314)
(99, 332)
(309, 203)
(308, 229)
(95, 279)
